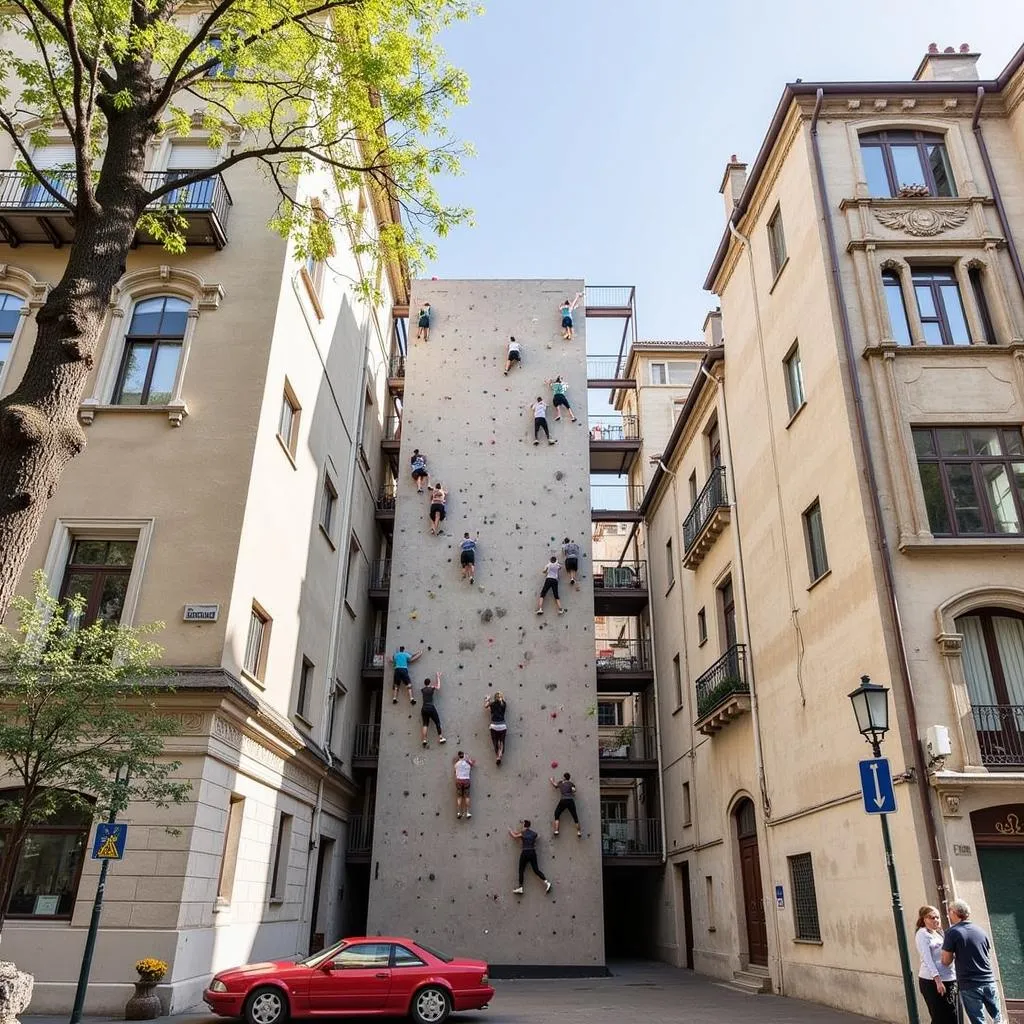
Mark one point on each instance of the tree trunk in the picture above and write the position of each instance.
(39, 429)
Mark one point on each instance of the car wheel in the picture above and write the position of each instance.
(267, 1005)
(431, 1005)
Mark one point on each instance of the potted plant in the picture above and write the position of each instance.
(145, 1004)
(918, 191)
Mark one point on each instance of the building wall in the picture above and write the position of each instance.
(449, 881)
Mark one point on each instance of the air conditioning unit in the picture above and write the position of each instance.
(936, 742)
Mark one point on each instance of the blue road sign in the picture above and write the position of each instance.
(876, 786)
(109, 841)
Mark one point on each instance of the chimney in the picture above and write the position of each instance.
(951, 65)
(733, 182)
(713, 328)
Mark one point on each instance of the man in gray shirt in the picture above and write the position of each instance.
(968, 947)
(572, 554)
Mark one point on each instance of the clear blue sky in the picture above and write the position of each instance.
(602, 128)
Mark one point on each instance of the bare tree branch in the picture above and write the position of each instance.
(8, 125)
(193, 44)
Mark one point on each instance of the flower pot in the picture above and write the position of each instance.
(145, 1004)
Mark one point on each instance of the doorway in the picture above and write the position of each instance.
(684, 886)
(750, 874)
(317, 935)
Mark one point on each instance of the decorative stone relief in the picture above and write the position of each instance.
(951, 645)
(226, 732)
(1011, 826)
(950, 804)
(922, 222)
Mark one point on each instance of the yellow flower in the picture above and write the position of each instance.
(151, 969)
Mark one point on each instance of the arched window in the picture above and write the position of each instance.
(50, 866)
(746, 820)
(10, 316)
(894, 160)
(152, 351)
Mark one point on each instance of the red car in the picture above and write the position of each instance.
(373, 977)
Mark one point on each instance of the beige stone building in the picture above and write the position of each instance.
(234, 422)
(843, 494)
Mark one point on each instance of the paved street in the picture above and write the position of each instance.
(641, 992)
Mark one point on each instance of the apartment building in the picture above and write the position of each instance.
(234, 420)
(840, 496)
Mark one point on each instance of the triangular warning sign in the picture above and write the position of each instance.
(108, 848)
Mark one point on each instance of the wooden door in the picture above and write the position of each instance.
(753, 895)
(687, 912)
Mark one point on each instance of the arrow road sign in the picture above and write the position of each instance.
(876, 786)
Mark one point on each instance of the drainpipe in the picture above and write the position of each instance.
(878, 522)
(997, 196)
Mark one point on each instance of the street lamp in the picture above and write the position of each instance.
(871, 706)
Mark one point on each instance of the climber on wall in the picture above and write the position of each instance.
(423, 323)
(402, 659)
(550, 571)
(496, 706)
(571, 553)
(467, 557)
(566, 310)
(513, 357)
(438, 508)
(540, 420)
(567, 802)
(463, 771)
(528, 856)
(420, 473)
(560, 399)
(428, 713)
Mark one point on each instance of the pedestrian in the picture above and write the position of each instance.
(969, 949)
(560, 399)
(550, 571)
(528, 856)
(428, 713)
(420, 474)
(566, 312)
(567, 801)
(463, 771)
(499, 728)
(571, 553)
(540, 420)
(467, 557)
(402, 659)
(514, 354)
(438, 508)
(423, 323)
(936, 981)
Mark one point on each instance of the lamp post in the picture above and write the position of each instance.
(871, 706)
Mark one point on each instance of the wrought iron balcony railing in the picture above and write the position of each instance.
(386, 498)
(624, 427)
(380, 574)
(393, 428)
(714, 496)
(623, 655)
(727, 676)
(627, 743)
(367, 743)
(360, 834)
(209, 195)
(1000, 729)
(616, 497)
(605, 368)
(19, 190)
(396, 367)
(373, 653)
(614, 575)
(631, 837)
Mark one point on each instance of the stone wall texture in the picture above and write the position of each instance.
(433, 877)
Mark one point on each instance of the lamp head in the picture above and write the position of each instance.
(871, 706)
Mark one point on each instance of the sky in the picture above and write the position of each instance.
(602, 127)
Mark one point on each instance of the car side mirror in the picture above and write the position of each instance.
(327, 966)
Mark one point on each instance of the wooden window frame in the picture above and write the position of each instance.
(809, 514)
(702, 627)
(289, 399)
(976, 277)
(259, 670)
(100, 573)
(328, 505)
(304, 688)
(677, 679)
(920, 140)
(777, 241)
(156, 342)
(938, 280)
(670, 564)
(796, 396)
(892, 287)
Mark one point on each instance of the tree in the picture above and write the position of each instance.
(360, 88)
(77, 705)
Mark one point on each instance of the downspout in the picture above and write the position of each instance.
(997, 196)
(876, 508)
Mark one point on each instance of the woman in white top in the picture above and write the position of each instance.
(936, 981)
(514, 357)
(540, 420)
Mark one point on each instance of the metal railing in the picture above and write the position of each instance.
(380, 574)
(373, 653)
(715, 495)
(367, 740)
(612, 497)
(1000, 729)
(386, 498)
(393, 428)
(614, 428)
(19, 190)
(360, 834)
(209, 195)
(727, 676)
(605, 368)
(623, 655)
(613, 575)
(631, 837)
(396, 366)
(609, 296)
(627, 743)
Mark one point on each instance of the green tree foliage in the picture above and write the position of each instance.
(77, 705)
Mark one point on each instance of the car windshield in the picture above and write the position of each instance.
(436, 952)
(324, 954)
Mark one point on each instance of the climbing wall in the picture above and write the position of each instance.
(442, 880)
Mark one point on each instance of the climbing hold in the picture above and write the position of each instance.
(554, 764)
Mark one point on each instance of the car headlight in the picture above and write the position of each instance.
(218, 986)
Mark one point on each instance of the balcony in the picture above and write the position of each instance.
(626, 751)
(623, 666)
(614, 443)
(1000, 729)
(373, 659)
(367, 746)
(29, 214)
(620, 588)
(396, 375)
(706, 520)
(384, 508)
(723, 692)
(391, 441)
(615, 503)
(607, 372)
(360, 839)
(630, 842)
(380, 582)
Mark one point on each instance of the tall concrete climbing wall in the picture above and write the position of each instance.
(433, 877)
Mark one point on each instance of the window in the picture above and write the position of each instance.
(709, 896)
(10, 317)
(677, 678)
(257, 642)
(940, 306)
(805, 902)
(613, 808)
(184, 159)
(288, 423)
(702, 626)
(776, 242)
(794, 379)
(406, 958)
(152, 351)
(50, 864)
(687, 808)
(680, 372)
(727, 605)
(670, 563)
(99, 571)
(328, 504)
(363, 955)
(229, 855)
(974, 274)
(352, 570)
(282, 854)
(814, 533)
(896, 159)
(693, 488)
(714, 446)
(59, 159)
(898, 322)
(972, 479)
(218, 70)
(305, 688)
(335, 715)
(609, 712)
